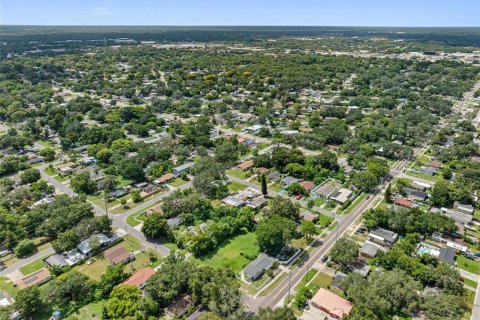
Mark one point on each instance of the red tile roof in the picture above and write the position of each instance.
(140, 277)
(403, 202)
(331, 303)
(307, 185)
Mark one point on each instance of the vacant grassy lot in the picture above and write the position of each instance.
(238, 173)
(7, 286)
(322, 280)
(324, 221)
(177, 182)
(92, 311)
(468, 265)
(234, 186)
(232, 252)
(355, 203)
(32, 267)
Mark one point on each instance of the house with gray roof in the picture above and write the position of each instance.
(85, 246)
(257, 267)
(288, 181)
(179, 170)
(383, 237)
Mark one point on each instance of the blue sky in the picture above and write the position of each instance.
(242, 12)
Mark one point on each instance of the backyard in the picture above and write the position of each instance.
(233, 253)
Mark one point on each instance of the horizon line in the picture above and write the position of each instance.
(219, 25)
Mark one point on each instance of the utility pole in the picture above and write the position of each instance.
(105, 201)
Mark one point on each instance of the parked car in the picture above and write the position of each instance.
(324, 259)
(90, 261)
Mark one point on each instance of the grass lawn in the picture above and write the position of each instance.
(96, 269)
(324, 221)
(277, 187)
(7, 286)
(319, 201)
(92, 311)
(32, 267)
(301, 242)
(272, 286)
(141, 261)
(238, 173)
(355, 203)
(123, 182)
(468, 265)
(231, 253)
(470, 283)
(130, 243)
(322, 280)
(177, 182)
(50, 171)
(234, 186)
(135, 219)
(309, 276)
(477, 214)
(45, 143)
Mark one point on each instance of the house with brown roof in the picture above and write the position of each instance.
(262, 170)
(165, 178)
(307, 185)
(118, 255)
(247, 165)
(36, 278)
(155, 209)
(435, 163)
(66, 167)
(327, 189)
(405, 203)
(139, 279)
(332, 304)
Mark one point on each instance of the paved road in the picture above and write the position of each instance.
(277, 297)
(39, 255)
(119, 221)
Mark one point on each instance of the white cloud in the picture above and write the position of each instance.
(101, 11)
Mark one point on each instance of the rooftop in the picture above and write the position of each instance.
(140, 277)
(331, 303)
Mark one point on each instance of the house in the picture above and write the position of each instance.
(165, 178)
(307, 185)
(308, 216)
(56, 260)
(66, 167)
(253, 129)
(288, 181)
(174, 222)
(369, 250)
(118, 193)
(184, 168)
(247, 165)
(422, 186)
(458, 216)
(332, 304)
(338, 279)
(233, 202)
(118, 255)
(383, 237)
(435, 164)
(155, 209)
(178, 307)
(139, 279)
(36, 278)
(149, 188)
(404, 203)
(262, 170)
(429, 171)
(5, 301)
(342, 195)
(327, 189)
(85, 246)
(257, 267)
(274, 176)
(416, 194)
(466, 208)
(446, 255)
(257, 203)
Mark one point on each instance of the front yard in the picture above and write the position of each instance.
(238, 173)
(466, 264)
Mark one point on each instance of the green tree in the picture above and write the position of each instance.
(30, 176)
(155, 226)
(441, 194)
(365, 180)
(123, 302)
(263, 180)
(344, 252)
(388, 194)
(308, 229)
(24, 248)
(114, 275)
(284, 207)
(82, 183)
(274, 233)
(441, 306)
(48, 154)
(29, 302)
(136, 197)
(283, 313)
